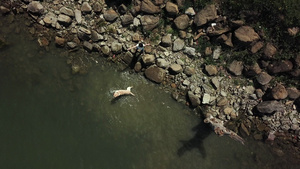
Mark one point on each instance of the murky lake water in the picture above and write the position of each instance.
(50, 118)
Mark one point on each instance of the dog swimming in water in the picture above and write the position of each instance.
(118, 93)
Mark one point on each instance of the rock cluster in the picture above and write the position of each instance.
(172, 58)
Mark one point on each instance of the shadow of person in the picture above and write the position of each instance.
(202, 131)
(135, 59)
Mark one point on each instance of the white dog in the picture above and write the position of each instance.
(118, 93)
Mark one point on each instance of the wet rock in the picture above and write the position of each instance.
(148, 7)
(149, 22)
(279, 92)
(280, 66)
(190, 51)
(182, 22)
(269, 107)
(246, 34)
(257, 46)
(244, 130)
(67, 11)
(176, 68)
(172, 8)
(189, 71)
(293, 93)
(162, 63)
(126, 19)
(166, 40)
(110, 15)
(116, 47)
(64, 19)
(86, 7)
(75, 69)
(270, 50)
(88, 46)
(155, 74)
(148, 59)
(78, 16)
(207, 14)
(60, 41)
(211, 70)
(194, 100)
(263, 78)
(178, 45)
(35, 7)
(236, 67)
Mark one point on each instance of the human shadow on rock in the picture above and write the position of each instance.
(202, 131)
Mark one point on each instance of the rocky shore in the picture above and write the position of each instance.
(186, 57)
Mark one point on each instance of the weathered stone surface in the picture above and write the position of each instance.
(252, 70)
(78, 16)
(127, 58)
(206, 98)
(155, 74)
(166, 40)
(60, 41)
(50, 19)
(148, 59)
(263, 78)
(105, 50)
(211, 70)
(64, 19)
(86, 7)
(269, 107)
(84, 34)
(67, 11)
(270, 50)
(190, 11)
(176, 68)
(226, 39)
(194, 100)
(190, 51)
(189, 71)
(172, 8)
(178, 45)
(280, 66)
(279, 92)
(246, 34)
(149, 22)
(162, 63)
(216, 83)
(95, 36)
(126, 19)
(148, 7)
(35, 7)
(297, 61)
(182, 22)
(257, 46)
(236, 67)
(116, 47)
(222, 102)
(216, 53)
(97, 7)
(110, 15)
(207, 14)
(87, 46)
(293, 93)
(4, 10)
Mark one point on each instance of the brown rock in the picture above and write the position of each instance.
(279, 92)
(155, 74)
(252, 70)
(280, 66)
(293, 93)
(110, 15)
(148, 7)
(182, 22)
(246, 34)
(207, 14)
(257, 46)
(149, 22)
(211, 70)
(236, 67)
(60, 41)
(227, 40)
(269, 107)
(172, 8)
(270, 50)
(222, 102)
(263, 78)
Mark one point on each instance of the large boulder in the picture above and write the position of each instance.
(155, 74)
(176, 68)
(110, 15)
(246, 34)
(269, 107)
(67, 11)
(182, 21)
(116, 47)
(148, 7)
(263, 78)
(149, 22)
(148, 59)
(126, 19)
(178, 45)
(172, 8)
(209, 13)
(64, 19)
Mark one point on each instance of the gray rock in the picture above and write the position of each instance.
(86, 7)
(87, 46)
(217, 52)
(207, 14)
(206, 98)
(155, 74)
(189, 71)
(84, 34)
(35, 7)
(72, 45)
(162, 63)
(270, 107)
(50, 19)
(194, 100)
(97, 7)
(182, 22)
(166, 40)
(128, 58)
(64, 19)
(116, 47)
(176, 68)
(148, 59)
(216, 83)
(178, 45)
(95, 36)
(126, 19)
(263, 78)
(149, 22)
(211, 70)
(236, 67)
(4, 10)
(105, 50)
(190, 51)
(270, 50)
(110, 15)
(78, 16)
(67, 11)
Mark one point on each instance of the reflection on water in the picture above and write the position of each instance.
(52, 119)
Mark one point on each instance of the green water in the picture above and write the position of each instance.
(50, 118)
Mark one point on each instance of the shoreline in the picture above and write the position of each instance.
(173, 61)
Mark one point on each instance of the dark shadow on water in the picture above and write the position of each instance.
(202, 131)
